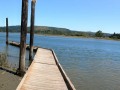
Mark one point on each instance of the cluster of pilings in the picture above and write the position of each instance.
(24, 17)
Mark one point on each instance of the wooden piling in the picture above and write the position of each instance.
(32, 29)
(6, 30)
(24, 17)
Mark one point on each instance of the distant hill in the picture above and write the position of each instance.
(45, 30)
(11, 29)
(37, 29)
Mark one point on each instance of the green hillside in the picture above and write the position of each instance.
(45, 30)
(50, 31)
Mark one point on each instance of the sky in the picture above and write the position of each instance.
(79, 15)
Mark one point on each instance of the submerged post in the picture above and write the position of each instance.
(6, 30)
(32, 29)
(24, 16)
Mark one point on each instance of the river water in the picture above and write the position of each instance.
(91, 64)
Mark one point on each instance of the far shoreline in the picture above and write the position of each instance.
(98, 38)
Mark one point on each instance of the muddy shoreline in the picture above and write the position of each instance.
(8, 81)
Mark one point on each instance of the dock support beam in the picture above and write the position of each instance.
(24, 17)
(6, 30)
(32, 29)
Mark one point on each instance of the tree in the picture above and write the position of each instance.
(115, 36)
(99, 34)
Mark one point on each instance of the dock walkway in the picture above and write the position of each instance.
(45, 73)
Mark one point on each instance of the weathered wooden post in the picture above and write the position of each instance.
(6, 30)
(24, 16)
(32, 29)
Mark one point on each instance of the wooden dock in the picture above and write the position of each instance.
(45, 73)
(18, 45)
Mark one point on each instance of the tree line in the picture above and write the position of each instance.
(112, 36)
(45, 30)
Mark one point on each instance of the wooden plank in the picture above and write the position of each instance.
(66, 78)
(43, 74)
(44, 56)
(18, 45)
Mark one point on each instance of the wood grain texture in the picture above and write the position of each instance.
(43, 74)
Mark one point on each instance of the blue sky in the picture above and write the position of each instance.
(80, 15)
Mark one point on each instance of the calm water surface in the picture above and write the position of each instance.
(91, 64)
